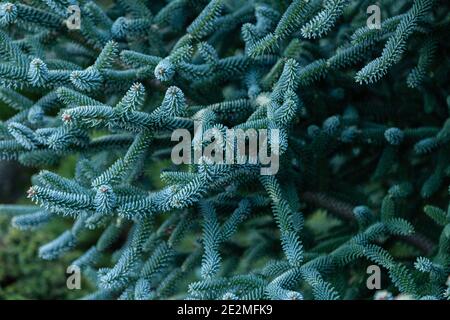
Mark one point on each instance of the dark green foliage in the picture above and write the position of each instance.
(364, 135)
(22, 276)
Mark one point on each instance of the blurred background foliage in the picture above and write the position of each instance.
(23, 275)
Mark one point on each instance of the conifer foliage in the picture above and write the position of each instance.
(363, 115)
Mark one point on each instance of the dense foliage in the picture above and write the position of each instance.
(363, 116)
(22, 276)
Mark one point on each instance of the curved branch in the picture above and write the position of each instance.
(345, 211)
